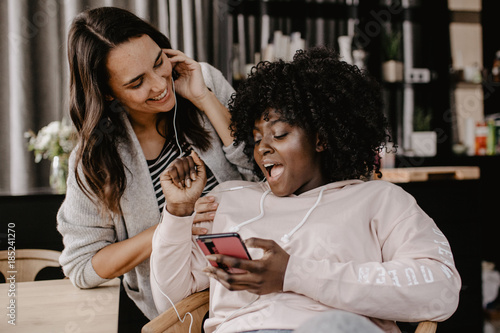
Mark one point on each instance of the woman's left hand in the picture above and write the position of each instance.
(263, 276)
(190, 83)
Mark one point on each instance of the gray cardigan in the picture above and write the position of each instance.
(85, 232)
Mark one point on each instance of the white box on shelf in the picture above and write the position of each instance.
(424, 143)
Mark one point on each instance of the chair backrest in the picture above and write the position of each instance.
(27, 262)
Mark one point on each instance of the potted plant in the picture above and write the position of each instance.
(392, 68)
(423, 139)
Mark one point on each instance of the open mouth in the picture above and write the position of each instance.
(274, 169)
(159, 97)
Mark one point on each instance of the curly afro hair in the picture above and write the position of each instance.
(324, 96)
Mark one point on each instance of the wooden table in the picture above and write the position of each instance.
(55, 306)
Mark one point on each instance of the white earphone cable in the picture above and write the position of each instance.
(286, 237)
(173, 305)
(236, 228)
(175, 116)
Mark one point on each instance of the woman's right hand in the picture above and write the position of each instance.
(205, 208)
(190, 83)
(182, 183)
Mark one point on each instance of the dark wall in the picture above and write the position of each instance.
(34, 217)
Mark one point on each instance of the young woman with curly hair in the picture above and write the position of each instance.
(323, 237)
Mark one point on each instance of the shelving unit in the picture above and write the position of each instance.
(425, 48)
(252, 25)
(424, 88)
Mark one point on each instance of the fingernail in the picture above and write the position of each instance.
(211, 257)
(210, 199)
(188, 182)
(214, 205)
(203, 230)
(193, 176)
(211, 215)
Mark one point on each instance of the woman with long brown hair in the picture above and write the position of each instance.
(137, 105)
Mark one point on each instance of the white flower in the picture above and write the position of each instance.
(52, 128)
(42, 141)
(55, 139)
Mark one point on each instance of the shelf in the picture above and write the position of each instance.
(423, 174)
(467, 85)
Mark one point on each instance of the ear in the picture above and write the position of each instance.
(320, 144)
(109, 98)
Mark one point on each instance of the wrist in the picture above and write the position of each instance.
(203, 102)
(180, 210)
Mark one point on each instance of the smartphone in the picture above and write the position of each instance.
(229, 244)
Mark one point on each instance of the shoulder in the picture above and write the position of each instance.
(210, 73)
(215, 81)
(383, 186)
(382, 194)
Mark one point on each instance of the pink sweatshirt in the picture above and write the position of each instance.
(366, 248)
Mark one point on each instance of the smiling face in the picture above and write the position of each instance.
(288, 157)
(140, 77)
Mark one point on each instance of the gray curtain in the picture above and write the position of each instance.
(34, 70)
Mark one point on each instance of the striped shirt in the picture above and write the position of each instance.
(168, 154)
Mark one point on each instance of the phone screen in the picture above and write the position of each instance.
(229, 244)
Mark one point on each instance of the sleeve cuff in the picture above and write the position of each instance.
(93, 279)
(175, 229)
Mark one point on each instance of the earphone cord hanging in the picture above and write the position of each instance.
(286, 237)
(175, 116)
(173, 305)
(261, 215)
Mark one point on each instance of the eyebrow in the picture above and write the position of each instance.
(141, 75)
(272, 122)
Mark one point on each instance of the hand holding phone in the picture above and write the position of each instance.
(262, 276)
(229, 244)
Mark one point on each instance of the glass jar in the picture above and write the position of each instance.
(58, 174)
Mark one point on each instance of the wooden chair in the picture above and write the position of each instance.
(168, 322)
(426, 327)
(197, 304)
(28, 262)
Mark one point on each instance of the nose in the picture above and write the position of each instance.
(264, 147)
(158, 83)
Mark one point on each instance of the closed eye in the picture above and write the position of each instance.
(159, 63)
(138, 84)
(280, 136)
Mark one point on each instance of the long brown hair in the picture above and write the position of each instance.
(93, 34)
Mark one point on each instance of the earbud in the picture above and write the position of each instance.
(285, 238)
